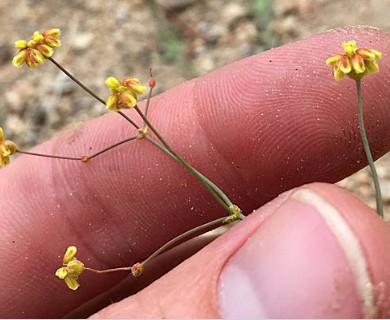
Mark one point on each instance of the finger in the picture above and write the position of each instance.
(316, 252)
(256, 128)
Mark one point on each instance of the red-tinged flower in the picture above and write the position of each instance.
(134, 85)
(356, 62)
(51, 38)
(7, 148)
(38, 49)
(121, 100)
(124, 94)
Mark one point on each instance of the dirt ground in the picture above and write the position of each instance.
(180, 39)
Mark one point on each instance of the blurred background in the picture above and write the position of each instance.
(179, 39)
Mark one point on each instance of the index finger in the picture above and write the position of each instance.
(256, 128)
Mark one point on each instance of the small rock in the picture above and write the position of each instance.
(15, 126)
(363, 178)
(16, 99)
(232, 12)
(82, 41)
(62, 84)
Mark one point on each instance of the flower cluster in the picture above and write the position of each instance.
(40, 47)
(124, 94)
(356, 62)
(71, 268)
(6, 149)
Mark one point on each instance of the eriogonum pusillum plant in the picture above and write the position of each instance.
(357, 63)
(124, 95)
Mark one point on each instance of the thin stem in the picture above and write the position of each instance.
(48, 155)
(164, 247)
(111, 147)
(85, 88)
(128, 119)
(378, 195)
(108, 270)
(147, 105)
(183, 236)
(84, 158)
(188, 166)
(82, 85)
(216, 192)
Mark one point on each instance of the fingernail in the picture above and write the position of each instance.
(303, 261)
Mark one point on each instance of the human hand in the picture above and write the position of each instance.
(258, 127)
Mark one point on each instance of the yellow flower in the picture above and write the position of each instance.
(71, 268)
(38, 49)
(51, 38)
(134, 85)
(356, 62)
(6, 149)
(124, 94)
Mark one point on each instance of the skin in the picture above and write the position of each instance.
(257, 128)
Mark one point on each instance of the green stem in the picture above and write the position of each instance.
(82, 85)
(111, 147)
(214, 190)
(85, 88)
(47, 155)
(147, 105)
(210, 186)
(165, 246)
(183, 236)
(378, 194)
(78, 158)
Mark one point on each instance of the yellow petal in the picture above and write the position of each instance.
(12, 146)
(112, 103)
(349, 47)
(52, 42)
(1, 134)
(127, 100)
(365, 54)
(71, 283)
(372, 67)
(134, 85)
(4, 161)
(333, 60)
(112, 83)
(358, 64)
(37, 37)
(4, 150)
(35, 58)
(52, 33)
(21, 44)
(345, 65)
(377, 54)
(50, 38)
(69, 254)
(19, 59)
(45, 50)
(61, 273)
(337, 73)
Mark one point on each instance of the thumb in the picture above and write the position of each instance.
(316, 252)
